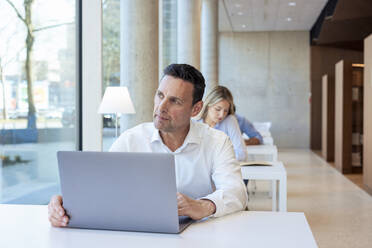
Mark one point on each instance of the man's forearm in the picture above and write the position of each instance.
(208, 207)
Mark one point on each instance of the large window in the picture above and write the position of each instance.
(38, 96)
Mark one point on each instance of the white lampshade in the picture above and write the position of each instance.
(116, 100)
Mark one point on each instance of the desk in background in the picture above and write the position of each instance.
(27, 226)
(275, 173)
(262, 153)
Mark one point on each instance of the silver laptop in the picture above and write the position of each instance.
(120, 191)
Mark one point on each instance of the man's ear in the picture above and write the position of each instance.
(196, 108)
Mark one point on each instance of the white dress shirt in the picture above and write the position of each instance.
(206, 167)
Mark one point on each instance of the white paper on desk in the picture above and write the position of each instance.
(255, 163)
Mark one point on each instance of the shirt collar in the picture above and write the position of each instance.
(155, 135)
(193, 136)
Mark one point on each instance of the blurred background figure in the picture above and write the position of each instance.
(218, 112)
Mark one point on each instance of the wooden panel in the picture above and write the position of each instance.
(343, 116)
(331, 119)
(367, 136)
(328, 118)
(316, 100)
(324, 116)
(323, 60)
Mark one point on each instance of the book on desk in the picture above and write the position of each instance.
(255, 163)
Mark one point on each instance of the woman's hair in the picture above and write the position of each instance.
(217, 94)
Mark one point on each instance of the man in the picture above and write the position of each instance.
(208, 176)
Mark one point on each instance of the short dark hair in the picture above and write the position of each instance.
(190, 74)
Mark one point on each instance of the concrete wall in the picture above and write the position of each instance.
(268, 74)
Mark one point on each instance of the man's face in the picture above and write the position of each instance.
(173, 104)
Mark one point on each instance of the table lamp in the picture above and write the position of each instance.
(116, 100)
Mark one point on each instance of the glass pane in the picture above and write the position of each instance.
(111, 62)
(169, 35)
(38, 100)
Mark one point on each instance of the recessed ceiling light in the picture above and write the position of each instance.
(240, 13)
(244, 26)
(292, 3)
(289, 19)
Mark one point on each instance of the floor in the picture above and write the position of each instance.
(338, 211)
(355, 178)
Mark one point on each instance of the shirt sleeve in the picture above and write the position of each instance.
(230, 194)
(235, 135)
(248, 128)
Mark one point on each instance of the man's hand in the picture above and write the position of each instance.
(57, 214)
(252, 141)
(195, 209)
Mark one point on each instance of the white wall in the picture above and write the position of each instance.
(269, 76)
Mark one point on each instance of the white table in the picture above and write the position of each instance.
(257, 151)
(275, 173)
(27, 226)
(268, 140)
(265, 133)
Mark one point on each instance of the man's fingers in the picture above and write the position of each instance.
(59, 210)
(182, 212)
(180, 199)
(57, 221)
(56, 200)
(179, 196)
(57, 215)
(56, 205)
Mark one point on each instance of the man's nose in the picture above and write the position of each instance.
(163, 105)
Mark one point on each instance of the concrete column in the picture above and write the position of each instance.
(139, 57)
(209, 42)
(188, 32)
(91, 75)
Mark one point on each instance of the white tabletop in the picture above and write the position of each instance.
(261, 152)
(268, 140)
(268, 148)
(276, 171)
(27, 226)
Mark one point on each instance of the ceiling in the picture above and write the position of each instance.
(347, 27)
(268, 15)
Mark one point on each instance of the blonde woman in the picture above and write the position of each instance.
(218, 112)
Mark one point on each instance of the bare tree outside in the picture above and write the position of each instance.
(7, 56)
(3, 89)
(26, 19)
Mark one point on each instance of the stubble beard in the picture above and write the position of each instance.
(161, 125)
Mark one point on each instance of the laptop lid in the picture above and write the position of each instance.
(119, 191)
